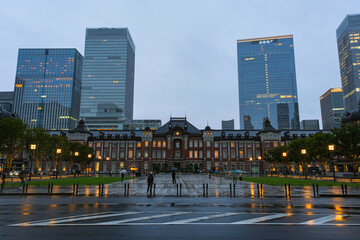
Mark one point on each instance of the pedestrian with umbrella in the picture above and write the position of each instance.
(22, 176)
(122, 174)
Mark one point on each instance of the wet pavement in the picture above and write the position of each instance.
(195, 185)
(190, 216)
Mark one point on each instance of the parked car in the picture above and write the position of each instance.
(14, 173)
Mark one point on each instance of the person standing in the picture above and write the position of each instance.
(150, 181)
(173, 177)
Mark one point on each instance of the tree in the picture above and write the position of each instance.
(12, 138)
(275, 156)
(79, 153)
(318, 148)
(347, 143)
(295, 153)
(40, 137)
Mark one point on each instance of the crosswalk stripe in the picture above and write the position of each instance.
(201, 218)
(53, 222)
(262, 219)
(54, 219)
(141, 218)
(325, 219)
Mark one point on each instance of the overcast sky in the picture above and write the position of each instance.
(186, 50)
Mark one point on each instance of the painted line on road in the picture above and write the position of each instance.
(201, 218)
(54, 219)
(141, 218)
(72, 219)
(322, 220)
(262, 219)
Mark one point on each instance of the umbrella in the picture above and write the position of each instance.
(237, 171)
(123, 171)
(174, 169)
(209, 170)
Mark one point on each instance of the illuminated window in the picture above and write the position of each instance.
(232, 144)
(130, 153)
(216, 154)
(98, 144)
(159, 143)
(190, 154)
(154, 143)
(139, 144)
(146, 143)
(195, 154)
(164, 143)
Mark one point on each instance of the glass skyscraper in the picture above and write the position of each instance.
(348, 41)
(332, 108)
(267, 82)
(48, 88)
(108, 78)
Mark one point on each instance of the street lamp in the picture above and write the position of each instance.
(76, 154)
(284, 154)
(331, 149)
(58, 152)
(32, 148)
(303, 152)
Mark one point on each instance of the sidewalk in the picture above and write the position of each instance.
(191, 186)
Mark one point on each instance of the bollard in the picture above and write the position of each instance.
(317, 190)
(207, 189)
(99, 189)
(345, 189)
(73, 189)
(154, 189)
(124, 189)
(23, 188)
(262, 190)
(102, 189)
(128, 188)
(342, 188)
(258, 190)
(51, 188)
(177, 189)
(230, 190)
(314, 190)
(286, 195)
(26, 188)
(203, 189)
(180, 188)
(234, 189)
(77, 189)
(289, 190)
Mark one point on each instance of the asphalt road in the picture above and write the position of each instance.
(43, 217)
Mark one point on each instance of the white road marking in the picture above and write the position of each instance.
(140, 218)
(55, 222)
(322, 220)
(54, 219)
(201, 218)
(262, 219)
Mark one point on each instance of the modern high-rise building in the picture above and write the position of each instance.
(310, 124)
(48, 88)
(227, 124)
(267, 82)
(348, 41)
(108, 78)
(7, 100)
(332, 108)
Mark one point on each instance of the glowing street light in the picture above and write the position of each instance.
(284, 154)
(33, 146)
(58, 151)
(76, 154)
(331, 147)
(303, 151)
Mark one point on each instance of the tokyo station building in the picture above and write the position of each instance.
(179, 144)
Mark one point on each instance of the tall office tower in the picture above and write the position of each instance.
(312, 124)
(227, 124)
(108, 78)
(48, 87)
(7, 100)
(348, 41)
(332, 108)
(267, 82)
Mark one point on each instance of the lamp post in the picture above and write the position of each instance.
(58, 152)
(331, 149)
(32, 149)
(303, 152)
(284, 155)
